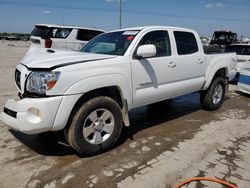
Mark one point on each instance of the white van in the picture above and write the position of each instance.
(62, 37)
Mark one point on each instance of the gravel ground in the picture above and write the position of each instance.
(167, 143)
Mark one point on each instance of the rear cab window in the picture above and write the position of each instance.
(87, 35)
(185, 42)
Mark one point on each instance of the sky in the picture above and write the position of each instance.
(204, 16)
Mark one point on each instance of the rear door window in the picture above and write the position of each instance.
(87, 35)
(186, 42)
(61, 33)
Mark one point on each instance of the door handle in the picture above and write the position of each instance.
(200, 61)
(171, 64)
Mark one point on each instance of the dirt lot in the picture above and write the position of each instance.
(167, 142)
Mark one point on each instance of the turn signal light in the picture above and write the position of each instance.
(51, 84)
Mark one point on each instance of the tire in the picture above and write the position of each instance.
(213, 97)
(96, 126)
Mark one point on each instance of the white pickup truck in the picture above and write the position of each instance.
(89, 93)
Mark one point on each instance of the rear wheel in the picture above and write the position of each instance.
(213, 97)
(96, 126)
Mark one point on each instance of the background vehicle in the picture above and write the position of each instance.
(243, 54)
(62, 37)
(243, 84)
(220, 40)
(89, 93)
(223, 38)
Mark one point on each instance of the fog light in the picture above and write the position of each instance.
(36, 112)
(34, 115)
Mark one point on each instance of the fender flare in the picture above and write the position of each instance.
(91, 83)
(212, 72)
(102, 81)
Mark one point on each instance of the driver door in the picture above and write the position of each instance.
(151, 75)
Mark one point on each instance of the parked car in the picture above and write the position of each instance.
(243, 84)
(243, 54)
(62, 37)
(89, 93)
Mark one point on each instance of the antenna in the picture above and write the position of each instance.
(62, 16)
(120, 21)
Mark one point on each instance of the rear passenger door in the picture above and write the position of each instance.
(177, 69)
(190, 62)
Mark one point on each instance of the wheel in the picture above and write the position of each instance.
(96, 126)
(213, 97)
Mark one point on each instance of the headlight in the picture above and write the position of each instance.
(40, 82)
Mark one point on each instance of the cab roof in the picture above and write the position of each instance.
(155, 27)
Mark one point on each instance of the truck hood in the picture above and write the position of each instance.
(49, 59)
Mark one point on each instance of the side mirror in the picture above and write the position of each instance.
(145, 51)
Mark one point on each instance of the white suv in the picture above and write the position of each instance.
(62, 37)
(243, 55)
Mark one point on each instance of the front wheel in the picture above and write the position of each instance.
(213, 97)
(96, 126)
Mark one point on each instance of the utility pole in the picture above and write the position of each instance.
(120, 21)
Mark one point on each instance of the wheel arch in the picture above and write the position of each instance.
(113, 92)
(221, 72)
(93, 86)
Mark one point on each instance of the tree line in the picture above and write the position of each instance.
(14, 36)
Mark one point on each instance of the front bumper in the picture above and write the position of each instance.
(31, 115)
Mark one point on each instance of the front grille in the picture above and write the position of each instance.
(17, 78)
(10, 112)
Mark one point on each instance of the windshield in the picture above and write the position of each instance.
(115, 43)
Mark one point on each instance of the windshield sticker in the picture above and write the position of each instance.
(130, 37)
(130, 33)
